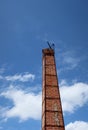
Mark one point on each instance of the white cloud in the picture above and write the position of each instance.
(74, 96)
(77, 125)
(26, 105)
(23, 77)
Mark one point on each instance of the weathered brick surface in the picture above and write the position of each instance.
(49, 60)
(51, 80)
(53, 105)
(52, 117)
(52, 92)
(50, 70)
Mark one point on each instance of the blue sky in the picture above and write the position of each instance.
(25, 26)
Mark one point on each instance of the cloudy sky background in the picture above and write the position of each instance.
(25, 26)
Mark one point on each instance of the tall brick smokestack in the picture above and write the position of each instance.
(52, 116)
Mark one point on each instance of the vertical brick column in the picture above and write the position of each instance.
(52, 116)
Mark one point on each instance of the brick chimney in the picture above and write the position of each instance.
(52, 116)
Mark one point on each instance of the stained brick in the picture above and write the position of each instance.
(53, 105)
(51, 80)
(52, 92)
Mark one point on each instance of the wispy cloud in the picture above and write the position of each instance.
(23, 77)
(2, 70)
(2, 111)
(77, 125)
(68, 60)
